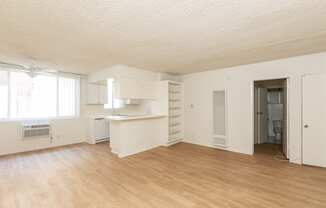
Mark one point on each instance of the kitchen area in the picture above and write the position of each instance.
(137, 110)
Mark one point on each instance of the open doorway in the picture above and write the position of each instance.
(270, 118)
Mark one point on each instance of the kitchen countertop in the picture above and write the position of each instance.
(127, 118)
(96, 116)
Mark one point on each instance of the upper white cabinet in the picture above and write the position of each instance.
(103, 94)
(126, 88)
(96, 94)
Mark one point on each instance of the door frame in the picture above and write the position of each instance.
(287, 79)
(258, 131)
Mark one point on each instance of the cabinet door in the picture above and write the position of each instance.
(127, 89)
(103, 94)
(135, 89)
(148, 90)
(92, 94)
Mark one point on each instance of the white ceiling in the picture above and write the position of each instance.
(178, 36)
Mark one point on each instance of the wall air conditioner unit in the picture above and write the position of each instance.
(39, 129)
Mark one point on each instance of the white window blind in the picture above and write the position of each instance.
(32, 97)
(67, 96)
(41, 96)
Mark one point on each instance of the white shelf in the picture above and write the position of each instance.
(174, 116)
(174, 124)
(174, 83)
(219, 136)
(174, 92)
(175, 112)
(172, 102)
(174, 108)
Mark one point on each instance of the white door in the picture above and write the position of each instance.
(262, 117)
(314, 120)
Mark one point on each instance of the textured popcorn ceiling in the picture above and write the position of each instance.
(179, 36)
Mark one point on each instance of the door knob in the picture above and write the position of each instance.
(306, 126)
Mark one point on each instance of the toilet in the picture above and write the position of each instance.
(277, 128)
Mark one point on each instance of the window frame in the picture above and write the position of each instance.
(77, 80)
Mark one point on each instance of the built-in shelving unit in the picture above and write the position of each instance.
(175, 91)
(171, 99)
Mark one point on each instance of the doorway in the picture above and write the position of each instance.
(270, 118)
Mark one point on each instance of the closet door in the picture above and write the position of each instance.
(314, 120)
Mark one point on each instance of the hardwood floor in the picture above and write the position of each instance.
(183, 175)
(270, 151)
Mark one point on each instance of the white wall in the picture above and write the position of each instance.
(238, 81)
(64, 132)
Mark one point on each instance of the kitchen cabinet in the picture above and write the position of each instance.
(103, 94)
(145, 132)
(135, 89)
(96, 94)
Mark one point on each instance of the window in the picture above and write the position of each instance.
(110, 94)
(113, 103)
(41, 96)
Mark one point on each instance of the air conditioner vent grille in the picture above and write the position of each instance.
(36, 132)
(36, 129)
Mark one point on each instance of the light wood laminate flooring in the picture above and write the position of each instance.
(183, 175)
